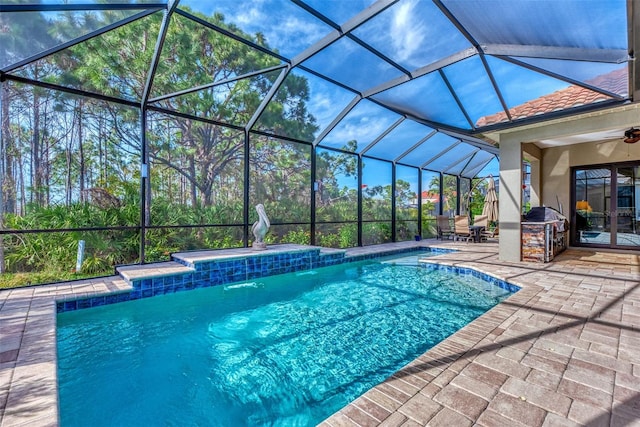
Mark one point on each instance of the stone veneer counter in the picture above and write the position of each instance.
(536, 247)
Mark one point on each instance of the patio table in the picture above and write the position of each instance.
(476, 232)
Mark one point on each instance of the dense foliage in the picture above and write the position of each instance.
(70, 168)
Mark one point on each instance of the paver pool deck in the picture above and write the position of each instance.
(563, 351)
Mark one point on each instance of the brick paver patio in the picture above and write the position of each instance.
(563, 351)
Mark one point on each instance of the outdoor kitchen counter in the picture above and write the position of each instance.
(542, 241)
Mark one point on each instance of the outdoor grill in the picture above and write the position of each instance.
(544, 234)
(545, 214)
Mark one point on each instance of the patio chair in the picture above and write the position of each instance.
(443, 227)
(481, 220)
(490, 234)
(461, 228)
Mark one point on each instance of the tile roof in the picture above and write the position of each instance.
(570, 97)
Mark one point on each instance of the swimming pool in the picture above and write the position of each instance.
(282, 350)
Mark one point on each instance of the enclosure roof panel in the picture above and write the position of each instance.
(401, 138)
(362, 125)
(568, 23)
(288, 33)
(27, 36)
(358, 72)
(347, 62)
(413, 34)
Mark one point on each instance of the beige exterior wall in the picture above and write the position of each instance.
(551, 166)
(556, 164)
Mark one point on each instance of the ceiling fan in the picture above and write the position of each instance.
(632, 136)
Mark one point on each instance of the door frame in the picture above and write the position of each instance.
(610, 215)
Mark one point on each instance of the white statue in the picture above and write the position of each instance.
(260, 228)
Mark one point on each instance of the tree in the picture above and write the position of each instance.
(201, 151)
(450, 195)
(81, 152)
(335, 200)
(21, 36)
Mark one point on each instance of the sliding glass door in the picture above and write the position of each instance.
(627, 204)
(606, 205)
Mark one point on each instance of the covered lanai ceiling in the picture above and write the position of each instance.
(412, 81)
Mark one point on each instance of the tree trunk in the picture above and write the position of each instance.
(36, 163)
(7, 175)
(192, 185)
(21, 208)
(183, 189)
(46, 164)
(68, 183)
(82, 171)
(102, 153)
(170, 159)
(4, 132)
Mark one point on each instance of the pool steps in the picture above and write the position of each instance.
(200, 269)
(429, 264)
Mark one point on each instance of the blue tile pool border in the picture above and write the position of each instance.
(221, 272)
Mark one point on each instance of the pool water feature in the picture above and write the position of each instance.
(282, 350)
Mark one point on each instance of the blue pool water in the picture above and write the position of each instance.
(283, 350)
